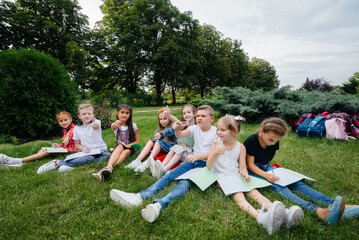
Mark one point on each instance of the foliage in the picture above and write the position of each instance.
(352, 86)
(103, 113)
(317, 85)
(34, 87)
(262, 75)
(284, 103)
(56, 27)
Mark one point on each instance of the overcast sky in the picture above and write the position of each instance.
(306, 38)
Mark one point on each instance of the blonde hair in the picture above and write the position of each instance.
(84, 106)
(233, 125)
(62, 113)
(276, 125)
(208, 108)
(159, 124)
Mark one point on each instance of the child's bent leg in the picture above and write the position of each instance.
(123, 156)
(245, 205)
(182, 187)
(168, 158)
(146, 150)
(173, 161)
(40, 154)
(287, 194)
(156, 150)
(311, 193)
(115, 155)
(77, 161)
(259, 198)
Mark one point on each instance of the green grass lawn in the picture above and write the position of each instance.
(75, 206)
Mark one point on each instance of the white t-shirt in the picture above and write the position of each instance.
(90, 137)
(124, 128)
(202, 140)
(227, 163)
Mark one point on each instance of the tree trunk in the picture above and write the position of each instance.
(157, 78)
(173, 95)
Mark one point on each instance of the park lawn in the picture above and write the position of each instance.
(75, 206)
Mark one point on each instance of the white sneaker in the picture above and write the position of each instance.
(134, 164)
(151, 212)
(151, 165)
(126, 199)
(15, 165)
(4, 159)
(272, 219)
(142, 167)
(65, 168)
(293, 217)
(52, 165)
(159, 169)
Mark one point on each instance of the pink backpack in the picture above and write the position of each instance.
(335, 129)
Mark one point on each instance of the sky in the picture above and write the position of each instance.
(306, 38)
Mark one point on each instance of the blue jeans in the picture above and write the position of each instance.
(182, 187)
(300, 187)
(85, 159)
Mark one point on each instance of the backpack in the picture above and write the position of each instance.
(314, 126)
(301, 119)
(335, 129)
(345, 117)
(354, 125)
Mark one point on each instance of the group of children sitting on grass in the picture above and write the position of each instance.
(190, 143)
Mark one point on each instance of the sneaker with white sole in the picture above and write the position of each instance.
(151, 212)
(159, 169)
(50, 166)
(65, 168)
(134, 164)
(151, 165)
(293, 217)
(142, 167)
(15, 165)
(4, 159)
(126, 199)
(272, 219)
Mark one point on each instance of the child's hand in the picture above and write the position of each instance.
(94, 124)
(167, 112)
(220, 149)
(56, 145)
(118, 123)
(65, 140)
(245, 176)
(271, 178)
(86, 149)
(192, 158)
(181, 144)
(177, 126)
(158, 135)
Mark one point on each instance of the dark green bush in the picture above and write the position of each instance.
(103, 113)
(283, 103)
(33, 88)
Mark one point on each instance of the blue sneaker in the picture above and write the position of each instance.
(336, 211)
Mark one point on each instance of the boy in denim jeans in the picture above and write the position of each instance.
(204, 135)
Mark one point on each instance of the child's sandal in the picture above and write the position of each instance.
(106, 172)
(98, 176)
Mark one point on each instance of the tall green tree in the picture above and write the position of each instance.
(239, 66)
(352, 86)
(146, 37)
(262, 75)
(56, 27)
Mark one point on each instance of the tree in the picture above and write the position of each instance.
(352, 86)
(56, 27)
(262, 75)
(146, 37)
(239, 66)
(317, 85)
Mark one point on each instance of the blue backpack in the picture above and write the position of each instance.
(313, 126)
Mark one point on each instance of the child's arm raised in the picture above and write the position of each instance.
(177, 126)
(213, 154)
(270, 177)
(94, 124)
(242, 164)
(116, 125)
